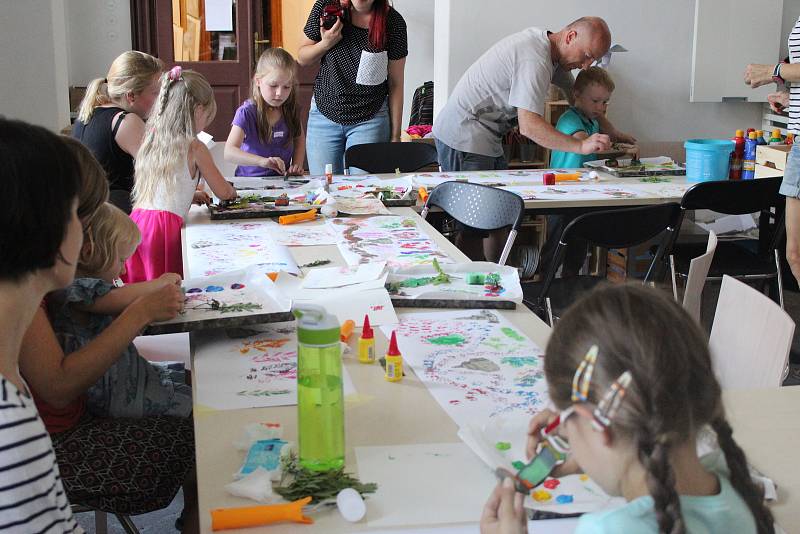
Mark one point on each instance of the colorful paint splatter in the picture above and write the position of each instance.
(258, 371)
(396, 240)
(475, 363)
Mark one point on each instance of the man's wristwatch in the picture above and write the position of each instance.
(776, 74)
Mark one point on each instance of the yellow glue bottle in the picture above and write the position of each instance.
(394, 361)
(366, 343)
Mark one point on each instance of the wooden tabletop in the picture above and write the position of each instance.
(765, 422)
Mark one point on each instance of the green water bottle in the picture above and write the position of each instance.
(320, 399)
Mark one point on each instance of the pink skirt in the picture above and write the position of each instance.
(160, 249)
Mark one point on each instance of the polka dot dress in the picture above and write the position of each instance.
(352, 82)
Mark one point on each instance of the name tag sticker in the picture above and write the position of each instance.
(278, 134)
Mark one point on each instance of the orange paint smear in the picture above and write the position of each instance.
(541, 496)
(264, 344)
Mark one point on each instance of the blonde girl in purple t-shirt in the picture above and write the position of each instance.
(267, 138)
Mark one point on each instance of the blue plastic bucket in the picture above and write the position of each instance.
(707, 159)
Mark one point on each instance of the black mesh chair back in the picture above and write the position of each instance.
(481, 207)
(619, 228)
(382, 158)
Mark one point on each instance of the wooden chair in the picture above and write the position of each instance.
(696, 280)
(750, 339)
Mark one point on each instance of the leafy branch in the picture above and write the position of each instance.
(319, 485)
(216, 305)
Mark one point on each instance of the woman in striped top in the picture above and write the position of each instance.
(41, 239)
(786, 74)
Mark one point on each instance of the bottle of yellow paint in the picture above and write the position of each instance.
(394, 361)
(366, 343)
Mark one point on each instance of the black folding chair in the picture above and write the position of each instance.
(379, 158)
(619, 228)
(747, 259)
(481, 207)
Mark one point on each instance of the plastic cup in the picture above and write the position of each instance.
(351, 505)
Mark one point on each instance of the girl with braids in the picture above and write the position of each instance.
(633, 401)
(168, 169)
(266, 136)
(111, 118)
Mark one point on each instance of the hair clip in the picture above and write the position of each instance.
(583, 376)
(609, 405)
(175, 73)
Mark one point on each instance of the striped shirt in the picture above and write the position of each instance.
(32, 498)
(794, 91)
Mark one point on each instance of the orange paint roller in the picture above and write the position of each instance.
(254, 516)
(309, 215)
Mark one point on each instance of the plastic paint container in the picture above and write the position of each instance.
(708, 159)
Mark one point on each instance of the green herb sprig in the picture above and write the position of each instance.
(319, 485)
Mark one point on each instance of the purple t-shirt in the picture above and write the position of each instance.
(246, 118)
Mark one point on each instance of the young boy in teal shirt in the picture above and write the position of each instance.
(592, 91)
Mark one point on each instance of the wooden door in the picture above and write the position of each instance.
(217, 45)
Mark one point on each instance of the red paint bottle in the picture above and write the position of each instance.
(737, 156)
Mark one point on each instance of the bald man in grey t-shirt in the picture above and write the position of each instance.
(508, 85)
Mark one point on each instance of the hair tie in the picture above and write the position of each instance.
(175, 73)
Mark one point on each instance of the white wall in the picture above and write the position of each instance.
(791, 12)
(98, 31)
(418, 15)
(652, 97)
(33, 62)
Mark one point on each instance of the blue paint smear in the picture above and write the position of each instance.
(564, 499)
(194, 290)
(214, 289)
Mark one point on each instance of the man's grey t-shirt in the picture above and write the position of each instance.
(514, 73)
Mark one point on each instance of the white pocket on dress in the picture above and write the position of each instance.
(373, 68)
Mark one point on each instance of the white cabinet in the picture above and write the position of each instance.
(729, 34)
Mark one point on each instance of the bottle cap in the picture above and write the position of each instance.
(760, 133)
(753, 135)
(393, 350)
(366, 330)
(776, 134)
(351, 505)
(329, 168)
(739, 133)
(315, 326)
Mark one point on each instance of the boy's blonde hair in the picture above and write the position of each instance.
(170, 130)
(94, 181)
(130, 72)
(593, 75)
(108, 232)
(276, 58)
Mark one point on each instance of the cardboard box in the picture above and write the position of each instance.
(762, 171)
(773, 156)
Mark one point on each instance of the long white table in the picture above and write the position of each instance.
(404, 413)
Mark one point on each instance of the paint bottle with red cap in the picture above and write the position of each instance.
(394, 361)
(366, 343)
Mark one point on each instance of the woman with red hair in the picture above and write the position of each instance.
(358, 93)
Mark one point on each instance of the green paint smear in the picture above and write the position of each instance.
(510, 332)
(502, 445)
(452, 339)
(518, 464)
(519, 361)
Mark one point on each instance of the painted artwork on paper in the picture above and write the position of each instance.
(476, 364)
(253, 372)
(473, 281)
(367, 205)
(227, 299)
(303, 235)
(218, 247)
(501, 442)
(396, 240)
